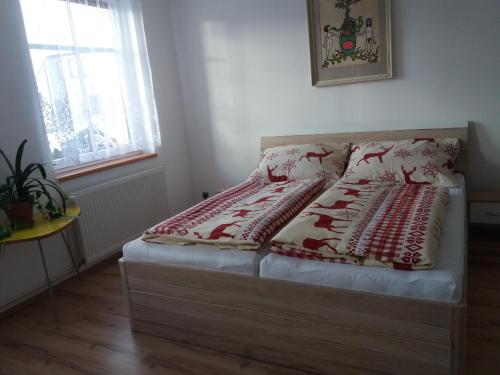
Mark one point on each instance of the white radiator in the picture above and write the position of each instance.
(116, 212)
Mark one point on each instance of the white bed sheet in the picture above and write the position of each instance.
(197, 256)
(442, 283)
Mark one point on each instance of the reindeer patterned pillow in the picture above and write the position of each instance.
(301, 162)
(412, 161)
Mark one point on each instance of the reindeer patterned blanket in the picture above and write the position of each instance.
(242, 217)
(369, 224)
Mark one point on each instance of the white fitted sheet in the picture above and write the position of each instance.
(442, 283)
(197, 256)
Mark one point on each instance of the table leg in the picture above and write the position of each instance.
(3, 246)
(71, 256)
(49, 284)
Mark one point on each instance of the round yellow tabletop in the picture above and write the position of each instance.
(43, 228)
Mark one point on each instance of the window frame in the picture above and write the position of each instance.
(66, 174)
(99, 160)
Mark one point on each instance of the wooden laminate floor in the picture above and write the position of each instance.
(93, 336)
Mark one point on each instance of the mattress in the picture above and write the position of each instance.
(197, 256)
(442, 283)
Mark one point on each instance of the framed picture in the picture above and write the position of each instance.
(350, 41)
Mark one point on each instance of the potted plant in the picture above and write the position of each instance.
(23, 190)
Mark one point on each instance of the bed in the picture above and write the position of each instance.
(315, 328)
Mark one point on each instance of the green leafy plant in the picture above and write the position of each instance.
(24, 186)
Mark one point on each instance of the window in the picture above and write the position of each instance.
(93, 77)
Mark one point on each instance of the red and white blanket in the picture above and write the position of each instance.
(369, 224)
(242, 217)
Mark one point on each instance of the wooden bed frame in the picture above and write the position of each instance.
(311, 328)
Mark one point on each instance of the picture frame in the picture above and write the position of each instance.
(350, 41)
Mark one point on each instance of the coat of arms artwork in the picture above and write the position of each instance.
(350, 41)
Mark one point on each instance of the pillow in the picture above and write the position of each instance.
(411, 161)
(302, 162)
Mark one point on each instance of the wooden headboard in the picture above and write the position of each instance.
(387, 135)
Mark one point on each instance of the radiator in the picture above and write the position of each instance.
(116, 212)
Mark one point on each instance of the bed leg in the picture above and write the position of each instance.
(126, 292)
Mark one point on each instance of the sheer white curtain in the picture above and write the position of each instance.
(93, 76)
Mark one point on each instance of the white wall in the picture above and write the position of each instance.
(245, 72)
(20, 267)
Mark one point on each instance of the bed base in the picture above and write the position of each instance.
(311, 328)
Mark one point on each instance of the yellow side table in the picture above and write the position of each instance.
(40, 230)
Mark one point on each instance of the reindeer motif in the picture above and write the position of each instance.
(242, 213)
(259, 201)
(274, 178)
(353, 192)
(354, 149)
(408, 174)
(378, 155)
(361, 181)
(325, 222)
(338, 205)
(218, 231)
(449, 164)
(315, 244)
(311, 154)
(426, 140)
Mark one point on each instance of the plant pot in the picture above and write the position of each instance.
(20, 213)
